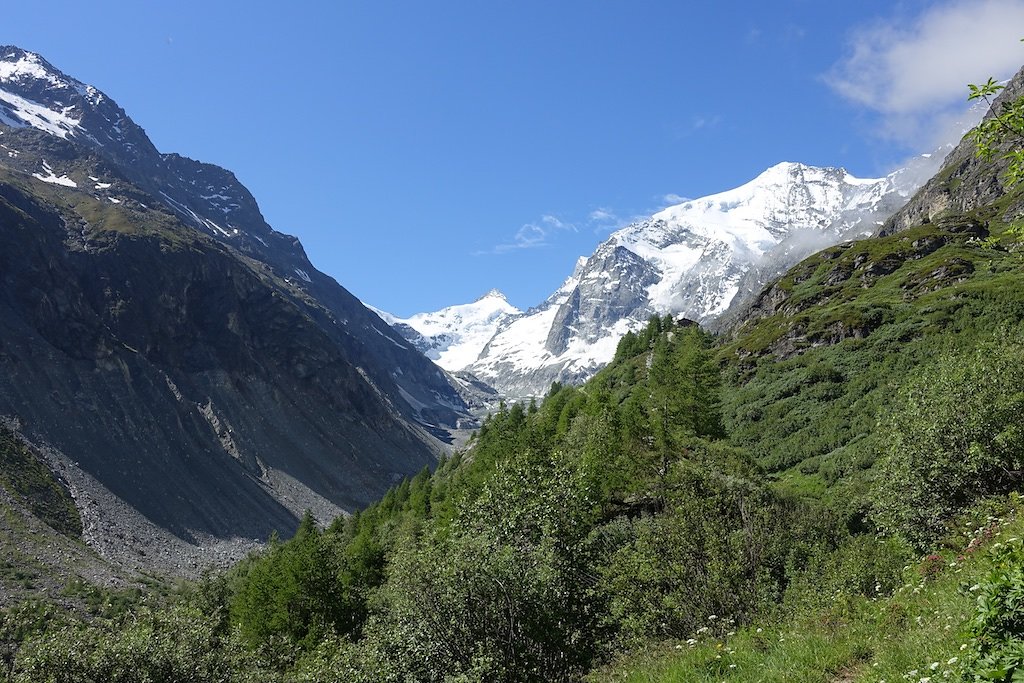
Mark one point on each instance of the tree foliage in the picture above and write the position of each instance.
(1001, 133)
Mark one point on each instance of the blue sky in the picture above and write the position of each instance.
(426, 152)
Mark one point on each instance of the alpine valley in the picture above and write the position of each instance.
(775, 434)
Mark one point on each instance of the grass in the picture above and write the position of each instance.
(35, 485)
(918, 633)
(100, 220)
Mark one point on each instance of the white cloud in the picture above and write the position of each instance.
(557, 223)
(913, 73)
(533, 235)
(529, 236)
(672, 199)
(603, 215)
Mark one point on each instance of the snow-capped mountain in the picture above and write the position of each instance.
(453, 337)
(689, 260)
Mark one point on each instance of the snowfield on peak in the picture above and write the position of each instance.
(718, 237)
(18, 67)
(693, 260)
(453, 337)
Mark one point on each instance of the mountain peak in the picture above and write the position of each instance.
(788, 171)
(493, 294)
(22, 66)
(692, 260)
(36, 94)
(18, 63)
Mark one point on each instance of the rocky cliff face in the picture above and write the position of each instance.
(174, 348)
(965, 183)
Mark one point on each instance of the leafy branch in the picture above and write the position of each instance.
(1002, 132)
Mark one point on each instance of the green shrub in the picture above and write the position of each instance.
(502, 595)
(996, 648)
(955, 434)
(181, 643)
(865, 566)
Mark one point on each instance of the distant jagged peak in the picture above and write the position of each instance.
(491, 304)
(454, 336)
(493, 294)
(783, 175)
(783, 197)
(796, 169)
(22, 67)
(17, 64)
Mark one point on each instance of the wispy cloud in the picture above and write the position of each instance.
(557, 224)
(793, 33)
(532, 235)
(672, 199)
(696, 124)
(912, 74)
(700, 122)
(790, 33)
(603, 220)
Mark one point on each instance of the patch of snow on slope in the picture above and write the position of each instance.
(53, 178)
(520, 343)
(8, 120)
(21, 112)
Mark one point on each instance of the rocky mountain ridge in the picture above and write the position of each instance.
(210, 199)
(182, 354)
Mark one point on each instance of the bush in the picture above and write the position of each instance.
(717, 552)
(997, 630)
(860, 566)
(956, 434)
(501, 595)
(147, 646)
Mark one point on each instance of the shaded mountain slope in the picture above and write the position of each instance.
(36, 96)
(183, 379)
(171, 350)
